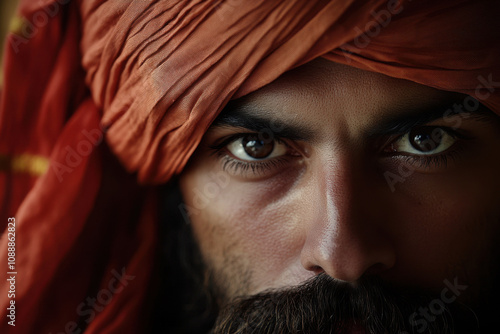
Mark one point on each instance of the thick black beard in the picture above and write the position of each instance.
(324, 305)
(189, 300)
(183, 303)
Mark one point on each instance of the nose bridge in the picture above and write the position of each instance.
(344, 238)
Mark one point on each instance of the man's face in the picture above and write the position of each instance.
(353, 175)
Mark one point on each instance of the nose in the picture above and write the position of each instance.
(346, 237)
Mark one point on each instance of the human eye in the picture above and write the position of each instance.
(426, 146)
(250, 147)
(254, 155)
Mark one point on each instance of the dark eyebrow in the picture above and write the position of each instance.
(400, 122)
(255, 119)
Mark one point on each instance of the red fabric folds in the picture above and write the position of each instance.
(149, 77)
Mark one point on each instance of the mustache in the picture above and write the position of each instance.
(325, 305)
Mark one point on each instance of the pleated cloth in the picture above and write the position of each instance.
(103, 100)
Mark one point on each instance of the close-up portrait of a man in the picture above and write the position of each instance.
(237, 166)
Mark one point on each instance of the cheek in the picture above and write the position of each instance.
(450, 223)
(250, 227)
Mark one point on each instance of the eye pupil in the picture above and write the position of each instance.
(426, 139)
(256, 147)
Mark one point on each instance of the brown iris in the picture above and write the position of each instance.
(426, 138)
(256, 147)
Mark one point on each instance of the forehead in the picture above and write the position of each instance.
(324, 94)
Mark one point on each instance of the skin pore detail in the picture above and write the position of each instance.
(304, 160)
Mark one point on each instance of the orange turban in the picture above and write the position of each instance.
(149, 77)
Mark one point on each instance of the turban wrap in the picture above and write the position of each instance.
(103, 100)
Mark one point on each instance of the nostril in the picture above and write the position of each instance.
(317, 270)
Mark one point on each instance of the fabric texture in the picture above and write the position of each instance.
(148, 78)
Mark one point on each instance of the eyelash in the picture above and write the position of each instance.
(429, 161)
(436, 160)
(233, 165)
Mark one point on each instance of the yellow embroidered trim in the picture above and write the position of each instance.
(25, 163)
(16, 25)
